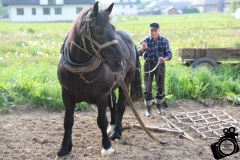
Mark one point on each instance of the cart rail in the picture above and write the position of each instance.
(217, 54)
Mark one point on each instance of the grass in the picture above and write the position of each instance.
(29, 54)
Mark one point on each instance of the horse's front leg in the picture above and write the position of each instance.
(113, 110)
(117, 132)
(68, 124)
(102, 124)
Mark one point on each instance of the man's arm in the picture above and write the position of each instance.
(168, 52)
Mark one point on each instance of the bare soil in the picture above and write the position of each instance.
(37, 134)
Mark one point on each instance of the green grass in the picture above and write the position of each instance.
(29, 54)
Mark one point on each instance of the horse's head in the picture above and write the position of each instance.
(97, 36)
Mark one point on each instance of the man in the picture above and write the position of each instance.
(154, 48)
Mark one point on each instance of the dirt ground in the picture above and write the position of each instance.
(37, 135)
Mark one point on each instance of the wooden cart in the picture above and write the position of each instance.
(212, 57)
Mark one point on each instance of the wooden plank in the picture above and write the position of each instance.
(155, 128)
(184, 133)
(218, 54)
(224, 54)
(186, 53)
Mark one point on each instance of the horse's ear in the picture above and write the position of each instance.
(95, 10)
(109, 9)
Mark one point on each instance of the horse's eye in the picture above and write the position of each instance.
(98, 30)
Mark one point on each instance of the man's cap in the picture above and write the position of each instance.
(154, 26)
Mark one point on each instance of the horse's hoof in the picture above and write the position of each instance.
(60, 157)
(108, 152)
(63, 152)
(110, 129)
(114, 136)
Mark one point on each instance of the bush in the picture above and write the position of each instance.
(190, 10)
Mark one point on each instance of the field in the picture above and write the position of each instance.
(29, 53)
(37, 134)
(30, 91)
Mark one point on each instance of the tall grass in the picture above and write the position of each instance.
(29, 54)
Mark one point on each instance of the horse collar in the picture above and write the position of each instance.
(77, 68)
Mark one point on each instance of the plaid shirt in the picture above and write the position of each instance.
(158, 48)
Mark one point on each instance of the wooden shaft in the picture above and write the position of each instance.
(157, 128)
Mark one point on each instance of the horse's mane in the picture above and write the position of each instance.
(102, 19)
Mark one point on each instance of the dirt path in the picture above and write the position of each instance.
(37, 135)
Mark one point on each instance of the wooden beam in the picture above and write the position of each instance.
(184, 133)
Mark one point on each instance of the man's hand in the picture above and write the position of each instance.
(143, 46)
(161, 59)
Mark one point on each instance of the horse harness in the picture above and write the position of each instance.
(96, 59)
(85, 33)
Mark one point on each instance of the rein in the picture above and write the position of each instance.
(129, 100)
(139, 69)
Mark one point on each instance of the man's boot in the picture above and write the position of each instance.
(159, 108)
(148, 111)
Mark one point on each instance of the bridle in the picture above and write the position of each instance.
(96, 59)
(85, 33)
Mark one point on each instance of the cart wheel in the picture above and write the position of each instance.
(204, 62)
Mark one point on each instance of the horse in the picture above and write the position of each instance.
(93, 53)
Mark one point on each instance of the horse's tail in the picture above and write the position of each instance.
(136, 85)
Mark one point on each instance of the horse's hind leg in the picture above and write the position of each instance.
(117, 132)
(102, 124)
(68, 124)
(113, 110)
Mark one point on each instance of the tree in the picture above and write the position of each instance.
(233, 6)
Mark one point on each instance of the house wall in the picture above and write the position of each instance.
(173, 11)
(169, 11)
(211, 8)
(226, 7)
(200, 8)
(237, 14)
(125, 9)
(68, 13)
(45, 2)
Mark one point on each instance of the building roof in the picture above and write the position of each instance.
(208, 2)
(79, 1)
(198, 3)
(126, 2)
(181, 5)
(37, 2)
(160, 5)
(19, 2)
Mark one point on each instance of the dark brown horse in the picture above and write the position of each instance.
(92, 54)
